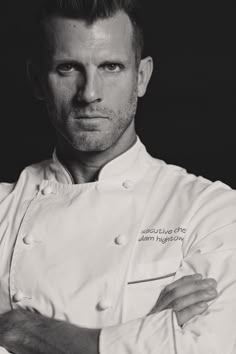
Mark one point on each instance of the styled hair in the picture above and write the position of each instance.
(90, 11)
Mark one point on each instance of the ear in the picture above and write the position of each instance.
(34, 77)
(144, 75)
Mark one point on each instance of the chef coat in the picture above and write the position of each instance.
(98, 254)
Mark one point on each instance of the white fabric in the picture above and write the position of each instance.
(3, 351)
(99, 254)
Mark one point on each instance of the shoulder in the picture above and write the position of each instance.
(177, 178)
(28, 181)
(194, 195)
(207, 209)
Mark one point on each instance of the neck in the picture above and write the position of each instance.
(84, 167)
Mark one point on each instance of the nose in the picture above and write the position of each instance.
(90, 89)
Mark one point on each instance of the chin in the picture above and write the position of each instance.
(90, 148)
(91, 145)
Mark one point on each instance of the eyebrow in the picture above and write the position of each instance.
(57, 61)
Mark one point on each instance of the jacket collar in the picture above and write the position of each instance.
(126, 166)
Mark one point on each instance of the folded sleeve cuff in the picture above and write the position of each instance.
(152, 334)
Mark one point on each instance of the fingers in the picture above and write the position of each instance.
(183, 281)
(160, 305)
(198, 289)
(194, 298)
(185, 315)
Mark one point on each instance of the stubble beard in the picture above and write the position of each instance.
(98, 141)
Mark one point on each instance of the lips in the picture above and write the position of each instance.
(90, 123)
(89, 117)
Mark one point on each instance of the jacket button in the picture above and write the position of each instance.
(47, 191)
(28, 240)
(103, 305)
(121, 240)
(128, 184)
(18, 296)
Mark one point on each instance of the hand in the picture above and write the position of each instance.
(24, 332)
(187, 296)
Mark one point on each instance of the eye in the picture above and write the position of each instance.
(112, 67)
(66, 68)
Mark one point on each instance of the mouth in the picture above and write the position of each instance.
(91, 122)
(90, 117)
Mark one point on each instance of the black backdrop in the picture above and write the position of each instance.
(187, 116)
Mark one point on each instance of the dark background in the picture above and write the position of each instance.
(186, 118)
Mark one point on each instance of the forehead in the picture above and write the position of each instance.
(67, 36)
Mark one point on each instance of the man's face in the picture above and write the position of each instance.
(90, 81)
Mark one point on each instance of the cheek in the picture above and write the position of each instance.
(59, 92)
(121, 93)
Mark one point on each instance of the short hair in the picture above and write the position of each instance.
(90, 11)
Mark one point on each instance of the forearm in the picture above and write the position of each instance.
(33, 333)
(213, 332)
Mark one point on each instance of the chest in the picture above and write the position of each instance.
(97, 257)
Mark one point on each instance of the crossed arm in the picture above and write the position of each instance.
(23, 332)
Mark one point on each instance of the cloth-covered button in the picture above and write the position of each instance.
(28, 239)
(18, 296)
(47, 191)
(121, 240)
(128, 184)
(103, 305)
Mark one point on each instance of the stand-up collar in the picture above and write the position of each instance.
(126, 165)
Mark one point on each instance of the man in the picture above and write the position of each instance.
(90, 239)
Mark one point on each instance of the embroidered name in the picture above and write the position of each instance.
(153, 235)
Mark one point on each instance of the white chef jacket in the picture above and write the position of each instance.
(99, 254)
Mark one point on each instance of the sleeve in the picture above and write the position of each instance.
(213, 332)
(3, 351)
(5, 191)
